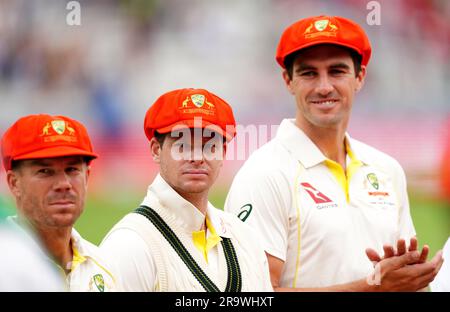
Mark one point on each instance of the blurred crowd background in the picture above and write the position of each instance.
(126, 53)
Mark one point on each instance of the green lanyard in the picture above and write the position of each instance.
(234, 283)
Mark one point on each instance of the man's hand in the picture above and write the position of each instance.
(404, 269)
(405, 272)
(401, 250)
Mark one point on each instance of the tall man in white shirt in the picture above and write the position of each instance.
(317, 197)
(176, 240)
(47, 159)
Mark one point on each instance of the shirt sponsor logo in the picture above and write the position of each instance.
(378, 193)
(330, 205)
(317, 196)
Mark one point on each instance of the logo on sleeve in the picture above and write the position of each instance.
(245, 212)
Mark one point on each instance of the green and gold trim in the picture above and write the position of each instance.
(234, 282)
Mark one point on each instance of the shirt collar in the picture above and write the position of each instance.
(359, 153)
(186, 214)
(218, 222)
(304, 150)
(78, 251)
(77, 243)
(299, 144)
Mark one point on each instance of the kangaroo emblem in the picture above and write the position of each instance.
(185, 102)
(45, 129)
(71, 130)
(308, 30)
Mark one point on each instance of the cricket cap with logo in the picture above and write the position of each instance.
(323, 29)
(45, 136)
(190, 108)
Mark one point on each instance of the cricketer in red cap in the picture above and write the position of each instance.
(179, 238)
(318, 198)
(46, 160)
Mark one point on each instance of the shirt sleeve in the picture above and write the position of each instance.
(442, 281)
(250, 239)
(262, 200)
(24, 267)
(132, 260)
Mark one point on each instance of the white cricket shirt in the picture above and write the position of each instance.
(313, 216)
(147, 262)
(89, 269)
(441, 282)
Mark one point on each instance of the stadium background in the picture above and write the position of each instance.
(110, 69)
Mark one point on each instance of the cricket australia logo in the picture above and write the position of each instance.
(198, 100)
(372, 177)
(321, 28)
(58, 130)
(59, 126)
(321, 25)
(99, 282)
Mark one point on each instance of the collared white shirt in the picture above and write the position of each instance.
(89, 270)
(315, 219)
(135, 261)
(23, 266)
(441, 282)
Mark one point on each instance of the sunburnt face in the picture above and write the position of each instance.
(50, 192)
(324, 84)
